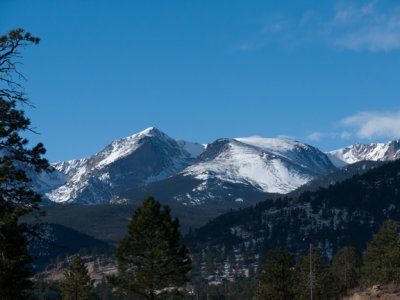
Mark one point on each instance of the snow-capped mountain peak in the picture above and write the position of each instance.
(123, 147)
(137, 160)
(270, 165)
(149, 132)
(359, 152)
(271, 144)
(194, 149)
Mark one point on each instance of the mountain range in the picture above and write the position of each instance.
(227, 171)
(286, 190)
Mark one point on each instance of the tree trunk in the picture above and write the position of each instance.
(152, 295)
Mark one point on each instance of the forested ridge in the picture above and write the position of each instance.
(344, 214)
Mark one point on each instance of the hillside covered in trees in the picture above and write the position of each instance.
(343, 214)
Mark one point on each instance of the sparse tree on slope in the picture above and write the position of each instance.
(345, 268)
(382, 257)
(151, 262)
(276, 278)
(77, 284)
(323, 283)
(16, 195)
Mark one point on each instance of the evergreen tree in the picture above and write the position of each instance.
(16, 195)
(151, 262)
(276, 278)
(345, 268)
(14, 274)
(323, 284)
(46, 290)
(382, 257)
(77, 284)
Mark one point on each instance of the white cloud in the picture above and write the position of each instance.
(284, 136)
(373, 26)
(345, 135)
(371, 125)
(315, 136)
(366, 28)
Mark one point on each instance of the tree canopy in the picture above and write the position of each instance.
(345, 268)
(277, 277)
(323, 283)
(151, 261)
(77, 284)
(382, 257)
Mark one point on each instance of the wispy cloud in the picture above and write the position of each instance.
(345, 135)
(366, 27)
(369, 125)
(373, 26)
(272, 27)
(315, 136)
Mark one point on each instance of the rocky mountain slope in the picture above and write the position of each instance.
(134, 161)
(237, 170)
(241, 171)
(271, 165)
(360, 152)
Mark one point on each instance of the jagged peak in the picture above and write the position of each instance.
(373, 151)
(148, 132)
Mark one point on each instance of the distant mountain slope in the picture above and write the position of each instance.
(130, 162)
(359, 152)
(344, 214)
(189, 191)
(242, 171)
(270, 165)
(63, 241)
(109, 222)
(337, 176)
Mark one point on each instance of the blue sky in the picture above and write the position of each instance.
(323, 72)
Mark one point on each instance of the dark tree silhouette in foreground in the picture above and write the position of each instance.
(16, 195)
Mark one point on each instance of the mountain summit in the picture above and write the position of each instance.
(134, 161)
(359, 152)
(270, 165)
(238, 170)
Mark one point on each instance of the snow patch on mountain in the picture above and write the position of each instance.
(142, 158)
(194, 149)
(126, 146)
(270, 165)
(359, 152)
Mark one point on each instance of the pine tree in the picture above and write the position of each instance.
(14, 275)
(323, 283)
(345, 268)
(382, 257)
(16, 195)
(151, 262)
(276, 278)
(77, 284)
